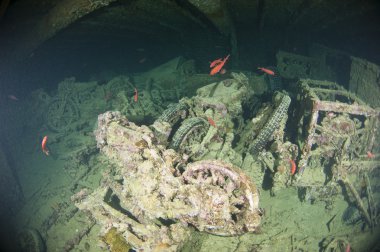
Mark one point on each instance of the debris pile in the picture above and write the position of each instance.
(153, 194)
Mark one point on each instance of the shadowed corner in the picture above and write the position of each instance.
(8, 235)
(11, 198)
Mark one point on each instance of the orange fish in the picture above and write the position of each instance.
(348, 248)
(43, 145)
(267, 71)
(370, 154)
(12, 97)
(219, 66)
(135, 97)
(293, 166)
(211, 122)
(216, 62)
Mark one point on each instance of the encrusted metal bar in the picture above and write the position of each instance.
(371, 204)
(358, 200)
(345, 108)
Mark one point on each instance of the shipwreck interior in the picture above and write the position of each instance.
(89, 37)
(146, 149)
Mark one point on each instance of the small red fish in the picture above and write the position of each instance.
(12, 97)
(211, 122)
(216, 62)
(267, 71)
(223, 71)
(293, 166)
(135, 97)
(219, 66)
(348, 248)
(370, 154)
(43, 145)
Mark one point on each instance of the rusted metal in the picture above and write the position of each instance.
(334, 113)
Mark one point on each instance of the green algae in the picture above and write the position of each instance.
(116, 241)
